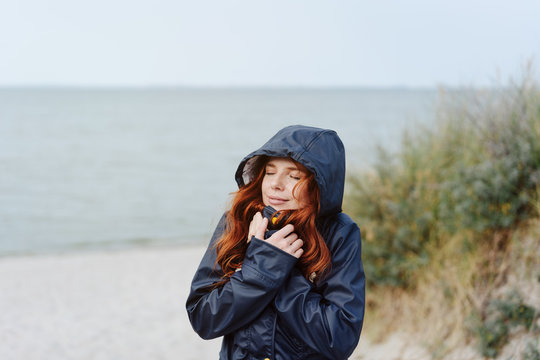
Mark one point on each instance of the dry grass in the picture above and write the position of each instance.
(451, 224)
(435, 314)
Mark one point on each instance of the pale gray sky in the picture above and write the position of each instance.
(382, 43)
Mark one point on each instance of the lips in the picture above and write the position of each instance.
(274, 200)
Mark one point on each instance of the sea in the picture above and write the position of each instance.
(104, 169)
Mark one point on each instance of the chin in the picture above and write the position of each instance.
(284, 207)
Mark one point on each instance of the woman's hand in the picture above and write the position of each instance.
(284, 239)
(287, 240)
(257, 227)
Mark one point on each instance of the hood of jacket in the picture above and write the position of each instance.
(319, 150)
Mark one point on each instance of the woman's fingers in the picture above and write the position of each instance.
(287, 240)
(295, 245)
(257, 227)
(261, 228)
(291, 238)
(284, 231)
(296, 248)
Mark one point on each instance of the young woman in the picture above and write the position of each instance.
(282, 277)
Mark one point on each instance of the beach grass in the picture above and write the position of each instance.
(451, 220)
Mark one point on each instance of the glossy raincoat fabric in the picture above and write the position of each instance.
(268, 309)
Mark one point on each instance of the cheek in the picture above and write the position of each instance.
(264, 186)
(300, 194)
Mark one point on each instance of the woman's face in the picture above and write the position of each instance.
(281, 176)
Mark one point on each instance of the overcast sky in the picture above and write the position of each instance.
(266, 43)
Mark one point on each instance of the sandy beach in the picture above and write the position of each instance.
(117, 305)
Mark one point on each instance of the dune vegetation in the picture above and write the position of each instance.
(451, 226)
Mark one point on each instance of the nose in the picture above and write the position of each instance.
(277, 182)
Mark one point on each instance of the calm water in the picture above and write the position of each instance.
(87, 169)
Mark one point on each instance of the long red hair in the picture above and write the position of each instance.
(231, 247)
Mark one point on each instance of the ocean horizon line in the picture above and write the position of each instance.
(143, 87)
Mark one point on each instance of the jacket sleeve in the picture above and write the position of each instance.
(329, 318)
(214, 312)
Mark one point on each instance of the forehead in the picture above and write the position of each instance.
(282, 162)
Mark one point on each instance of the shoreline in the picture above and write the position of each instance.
(105, 247)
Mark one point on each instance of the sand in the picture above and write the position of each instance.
(117, 305)
(127, 304)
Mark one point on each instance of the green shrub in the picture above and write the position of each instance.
(492, 188)
(492, 329)
(473, 174)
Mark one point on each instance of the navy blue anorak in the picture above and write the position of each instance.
(268, 309)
